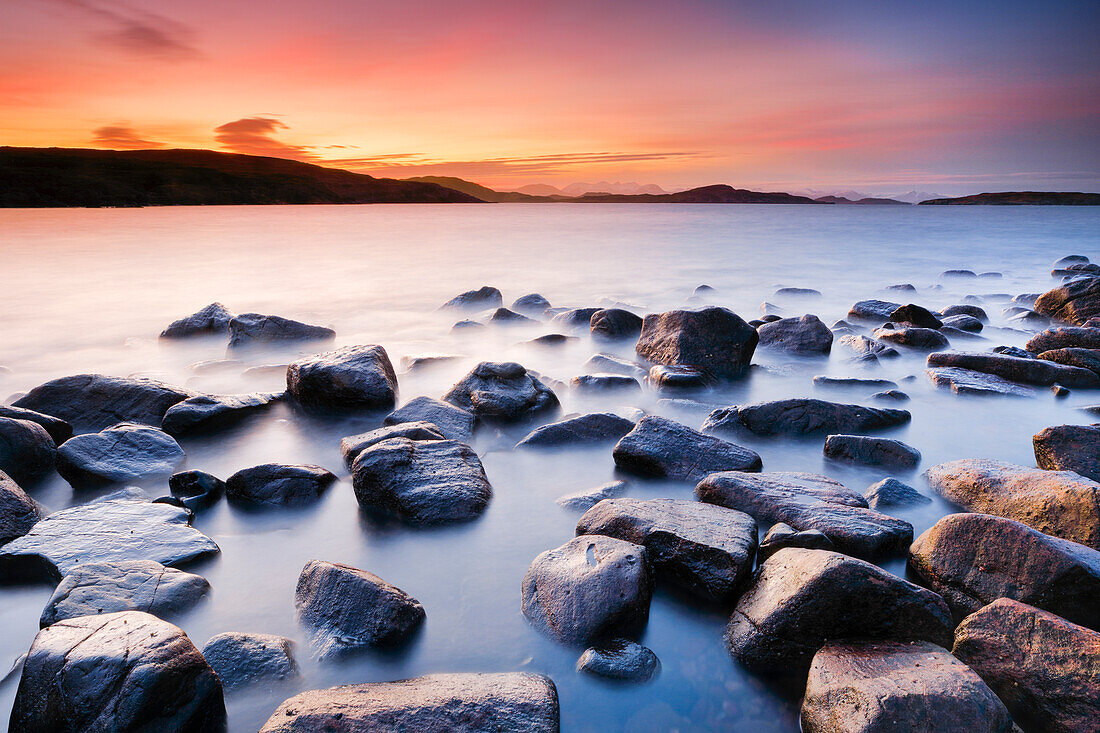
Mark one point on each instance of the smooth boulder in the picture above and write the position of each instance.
(1069, 448)
(58, 429)
(924, 339)
(279, 484)
(614, 324)
(481, 299)
(454, 422)
(1028, 371)
(620, 659)
(802, 416)
(27, 452)
(353, 445)
(1065, 337)
(873, 310)
(91, 402)
(256, 329)
(604, 383)
(213, 320)
(18, 512)
(714, 340)
(663, 448)
(122, 453)
(246, 659)
(805, 335)
(871, 451)
(781, 535)
(196, 489)
(208, 413)
(970, 382)
(344, 380)
(590, 429)
(1075, 357)
(503, 392)
(1074, 302)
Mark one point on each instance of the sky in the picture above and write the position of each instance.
(948, 96)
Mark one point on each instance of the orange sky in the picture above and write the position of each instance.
(800, 94)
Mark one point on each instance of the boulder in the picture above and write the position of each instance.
(784, 535)
(915, 315)
(532, 304)
(245, 659)
(346, 608)
(798, 292)
(1082, 358)
(454, 422)
(438, 703)
(801, 599)
(822, 380)
(665, 377)
(903, 287)
(353, 445)
(278, 484)
(714, 340)
(873, 310)
(1065, 337)
(963, 323)
(425, 361)
(867, 349)
(351, 378)
(958, 274)
(255, 329)
(502, 392)
(196, 489)
(602, 383)
(872, 686)
(91, 402)
(1059, 503)
(891, 395)
(27, 452)
(207, 413)
(965, 309)
(585, 500)
(1069, 448)
(970, 382)
(123, 453)
(18, 512)
(94, 588)
(1072, 260)
(871, 451)
(924, 339)
(1075, 301)
(607, 364)
(614, 324)
(808, 501)
(483, 298)
(590, 588)
(974, 559)
(664, 448)
(802, 416)
(125, 672)
(805, 335)
(1013, 351)
(58, 429)
(890, 492)
(422, 482)
(1044, 668)
(1027, 371)
(505, 316)
(620, 659)
(468, 325)
(705, 549)
(593, 428)
(213, 320)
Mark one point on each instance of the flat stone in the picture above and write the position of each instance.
(1081, 358)
(958, 274)
(871, 451)
(867, 349)
(123, 453)
(620, 659)
(665, 377)
(602, 383)
(213, 320)
(782, 535)
(18, 512)
(663, 448)
(502, 392)
(246, 659)
(279, 484)
(1012, 351)
(890, 492)
(208, 413)
(970, 382)
(822, 380)
(713, 340)
(590, 429)
(585, 500)
(552, 339)
(798, 292)
(607, 364)
(1065, 337)
(255, 329)
(347, 379)
(1074, 302)
(454, 422)
(425, 361)
(58, 429)
(925, 339)
(805, 335)
(353, 445)
(891, 395)
(27, 452)
(91, 402)
(1027, 371)
(1069, 448)
(873, 310)
(802, 416)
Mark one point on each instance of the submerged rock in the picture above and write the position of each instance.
(925, 339)
(968, 381)
(575, 318)
(123, 453)
(587, 429)
(600, 383)
(871, 451)
(664, 448)
(351, 378)
(196, 489)
(213, 320)
(27, 452)
(504, 392)
(620, 659)
(805, 335)
(714, 340)
(802, 416)
(915, 315)
(532, 304)
(963, 323)
(481, 299)
(615, 323)
(867, 349)
(585, 500)
(608, 364)
(802, 292)
(505, 316)
(279, 484)
(58, 429)
(253, 329)
(966, 309)
(893, 493)
(245, 659)
(873, 310)
(454, 422)
(782, 535)
(1027, 371)
(678, 377)
(1070, 448)
(891, 395)
(353, 445)
(1074, 302)
(822, 380)
(1066, 337)
(206, 413)
(91, 402)
(18, 512)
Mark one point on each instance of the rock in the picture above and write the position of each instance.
(783, 535)
(468, 325)
(1066, 337)
(903, 287)
(1072, 260)
(1074, 302)
(801, 292)
(870, 451)
(27, 452)
(822, 380)
(438, 703)
(602, 383)
(351, 378)
(216, 366)
(615, 323)
(575, 318)
(58, 429)
(713, 340)
(678, 377)
(769, 318)
(454, 422)
(1044, 668)
(346, 608)
(196, 489)
(1059, 503)
(481, 299)
(91, 402)
(423, 482)
(1027, 299)
(890, 492)
(353, 445)
(418, 363)
(802, 416)
(95, 588)
(502, 392)
(1027, 371)
(1029, 318)
(958, 274)
(702, 291)
(1070, 448)
(123, 453)
(207, 413)
(966, 309)
(801, 599)
(915, 315)
(265, 370)
(974, 559)
(1012, 351)
(870, 686)
(867, 349)
(891, 395)
(926, 339)
(279, 484)
(532, 304)
(607, 364)
(127, 671)
(552, 339)
(505, 316)
(963, 323)
(664, 448)
(809, 501)
(585, 500)
(770, 309)
(598, 427)
(213, 320)
(873, 310)
(705, 549)
(805, 335)
(18, 512)
(245, 659)
(254, 329)
(1082, 358)
(590, 588)
(620, 659)
(968, 381)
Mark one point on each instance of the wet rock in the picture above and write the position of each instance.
(966, 309)
(620, 659)
(607, 364)
(870, 451)
(873, 310)
(590, 588)
(1059, 503)
(353, 445)
(1026, 299)
(91, 402)
(1070, 448)
(585, 500)
(127, 452)
(1065, 337)
(1029, 319)
(279, 484)
(18, 512)
(423, 482)
(713, 340)
(968, 381)
(27, 452)
(58, 429)
(245, 659)
(871, 686)
(468, 325)
(770, 309)
(891, 395)
(822, 380)
(438, 703)
(503, 392)
(454, 422)
(678, 377)
(208, 413)
(1012, 351)
(798, 292)
(575, 318)
(216, 366)
(664, 448)
(615, 323)
(1072, 260)
(95, 588)
(602, 383)
(597, 427)
(800, 599)
(867, 349)
(196, 489)
(351, 378)
(805, 335)
(417, 363)
(1027, 371)
(254, 329)
(505, 316)
(705, 549)
(552, 339)
(703, 290)
(915, 315)
(963, 323)
(346, 608)
(127, 671)
(801, 416)
(974, 559)
(890, 492)
(806, 501)
(480, 299)
(902, 287)
(1074, 302)
(1082, 358)
(926, 339)
(1044, 668)
(532, 304)
(213, 320)
(958, 274)
(782, 535)
(769, 318)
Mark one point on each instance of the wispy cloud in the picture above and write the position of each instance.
(413, 164)
(255, 136)
(121, 137)
(138, 31)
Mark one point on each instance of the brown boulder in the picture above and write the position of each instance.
(715, 340)
(1065, 337)
(1016, 369)
(1074, 302)
(1069, 448)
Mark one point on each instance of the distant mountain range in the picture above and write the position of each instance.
(1021, 198)
(865, 200)
(718, 194)
(581, 189)
(909, 197)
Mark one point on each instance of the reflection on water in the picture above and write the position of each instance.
(89, 290)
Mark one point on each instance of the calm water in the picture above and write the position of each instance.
(89, 290)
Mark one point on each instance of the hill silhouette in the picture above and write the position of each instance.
(1021, 198)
